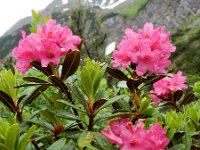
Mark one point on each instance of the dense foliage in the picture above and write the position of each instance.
(59, 101)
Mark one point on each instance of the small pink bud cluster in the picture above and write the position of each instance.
(123, 133)
(51, 42)
(149, 49)
(168, 85)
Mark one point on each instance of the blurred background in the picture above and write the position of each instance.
(100, 24)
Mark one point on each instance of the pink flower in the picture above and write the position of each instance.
(168, 85)
(48, 45)
(149, 49)
(62, 36)
(26, 51)
(127, 137)
(121, 58)
(49, 53)
(178, 82)
(159, 135)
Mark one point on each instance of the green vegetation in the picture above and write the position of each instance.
(132, 10)
(186, 38)
(10, 138)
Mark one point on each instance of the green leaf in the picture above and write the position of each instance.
(33, 28)
(85, 140)
(71, 105)
(103, 142)
(58, 145)
(43, 124)
(98, 79)
(91, 75)
(26, 138)
(194, 123)
(77, 94)
(197, 87)
(7, 83)
(68, 116)
(117, 74)
(86, 84)
(48, 116)
(3, 129)
(99, 94)
(71, 145)
(70, 64)
(110, 101)
(187, 140)
(144, 104)
(35, 94)
(122, 104)
(148, 112)
(11, 136)
(3, 147)
(46, 18)
(178, 147)
(12, 119)
(36, 17)
(176, 121)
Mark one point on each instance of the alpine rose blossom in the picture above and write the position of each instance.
(168, 85)
(48, 45)
(128, 137)
(148, 48)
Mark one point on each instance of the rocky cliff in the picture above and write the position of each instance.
(170, 13)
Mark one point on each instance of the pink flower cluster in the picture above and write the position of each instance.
(168, 85)
(123, 133)
(149, 49)
(51, 42)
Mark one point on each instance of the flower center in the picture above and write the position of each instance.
(50, 34)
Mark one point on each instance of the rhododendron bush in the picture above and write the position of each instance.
(46, 46)
(55, 99)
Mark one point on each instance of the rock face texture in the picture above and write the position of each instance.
(170, 13)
